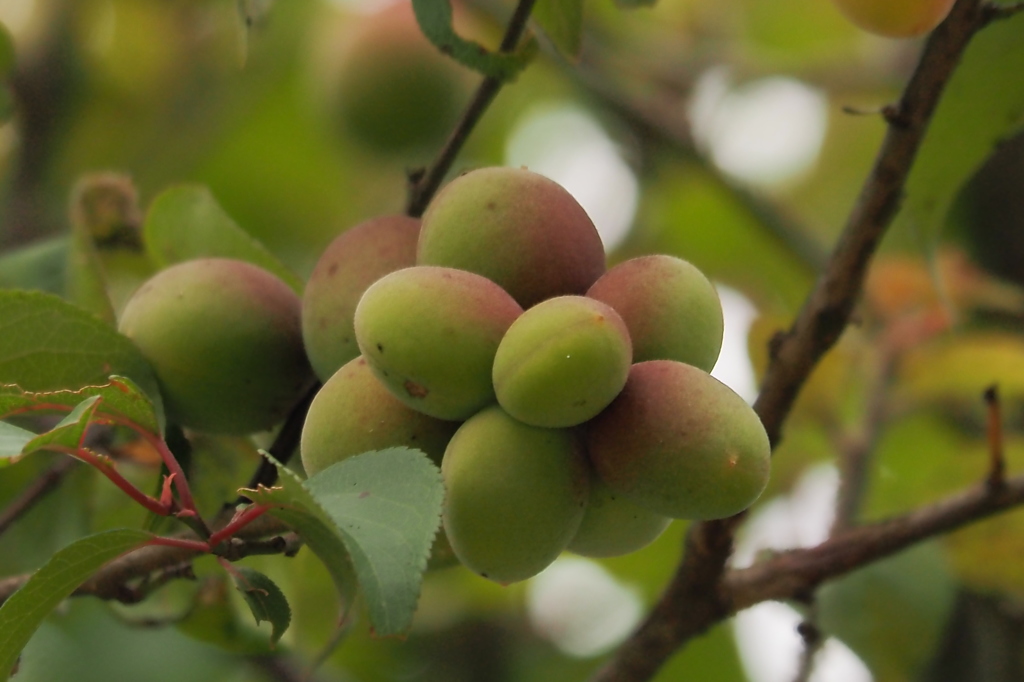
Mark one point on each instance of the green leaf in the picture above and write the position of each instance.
(265, 599)
(69, 432)
(562, 22)
(388, 507)
(435, 20)
(26, 609)
(86, 281)
(120, 398)
(41, 265)
(13, 440)
(213, 619)
(293, 504)
(186, 222)
(983, 104)
(7, 54)
(47, 344)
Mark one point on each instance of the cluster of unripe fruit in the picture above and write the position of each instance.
(569, 407)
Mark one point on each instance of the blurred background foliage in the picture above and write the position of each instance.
(733, 134)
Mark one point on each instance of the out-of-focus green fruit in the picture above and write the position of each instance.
(353, 413)
(516, 228)
(681, 443)
(671, 309)
(350, 264)
(516, 495)
(430, 334)
(614, 525)
(225, 340)
(896, 18)
(562, 362)
(397, 94)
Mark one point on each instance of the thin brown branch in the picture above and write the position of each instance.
(423, 184)
(36, 491)
(800, 571)
(696, 598)
(118, 579)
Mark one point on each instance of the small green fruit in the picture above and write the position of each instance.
(896, 18)
(515, 495)
(225, 341)
(430, 334)
(562, 362)
(516, 228)
(350, 264)
(353, 413)
(671, 309)
(614, 525)
(681, 443)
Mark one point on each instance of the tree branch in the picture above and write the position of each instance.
(696, 598)
(424, 183)
(799, 571)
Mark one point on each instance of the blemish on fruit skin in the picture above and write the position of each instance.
(415, 390)
(380, 348)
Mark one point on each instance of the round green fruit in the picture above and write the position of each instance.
(225, 341)
(671, 309)
(681, 443)
(350, 264)
(430, 334)
(516, 228)
(896, 18)
(562, 362)
(353, 413)
(614, 525)
(515, 495)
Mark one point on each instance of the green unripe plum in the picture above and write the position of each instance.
(351, 263)
(515, 495)
(671, 309)
(225, 341)
(396, 93)
(516, 228)
(681, 443)
(562, 362)
(353, 413)
(896, 18)
(430, 334)
(614, 525)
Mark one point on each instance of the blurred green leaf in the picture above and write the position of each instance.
(435, 20)
(7, 53)
(186, 222)
(41, 265)
(215, 620)
(13, 440)
(48, 344)
(50, 585)
(388, 507)
(265, 599)
(68, 433)
(86, 283)
(562, 22)
(960, 367)
(982, 104)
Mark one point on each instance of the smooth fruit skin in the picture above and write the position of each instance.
(516, 228)
(430, 334)
(353, 413)
(614, 525)
(225, 341)
(515, 495)
(896, 18)
(351, 263)
(562, 362)
(681, 443)
(671, 309)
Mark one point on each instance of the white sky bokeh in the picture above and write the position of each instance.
(566, 144)
(733, 367)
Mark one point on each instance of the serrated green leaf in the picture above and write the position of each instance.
(983, 104)
(265, 599)
(120, 398)
(186, 222)
(12, 440)
(48, 344)
(388, 507)
(293, 504)
(562, 22)
(26, 609)
(435, 20)
(69, 432)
